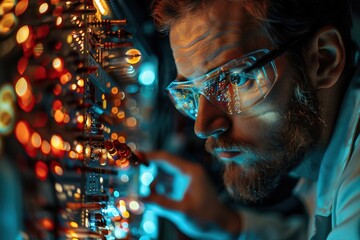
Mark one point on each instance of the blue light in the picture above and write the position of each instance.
(116, 194)
(147, 77)
(147, 74)
(149, 227)
(147, 178)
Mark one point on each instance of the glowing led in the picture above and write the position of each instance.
(22, 132)
(45, 147)
(80, 118)
(131, 122)
(117, 102)
(121, 114)
(59, 116)
(58, 187)
(21, 7)
(22, 34)
(116, 194)
(133, 56)
(43, 8)
(114, 136)
(21, 87)
(47, 223)
(67, 146)
(57, 142)
(74, 224)
(134, 206)
(125, 214)
(81, 83)
(124, 178)
(102, 6)
(66, 118)
(8, 22)
(59, 21)
(58, 170)
(72, 154)
(79, 148)
(36, 140)
(114, 110)
(41, 170)
(58, 64)
(69, 39)
(122, 139)
(114, 90)
(65, 78)
(147, 77)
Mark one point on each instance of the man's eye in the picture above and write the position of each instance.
(238, 79)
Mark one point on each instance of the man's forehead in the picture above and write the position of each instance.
(206, 39)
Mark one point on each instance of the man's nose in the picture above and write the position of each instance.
(210, 120)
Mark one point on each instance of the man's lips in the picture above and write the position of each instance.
(226, 154)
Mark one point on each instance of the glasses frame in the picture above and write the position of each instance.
(261, 62)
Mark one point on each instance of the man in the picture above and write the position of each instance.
(269, 85)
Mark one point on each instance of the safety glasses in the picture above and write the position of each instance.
(233, 87)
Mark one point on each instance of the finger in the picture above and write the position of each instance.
(163, 201)
(165, 158)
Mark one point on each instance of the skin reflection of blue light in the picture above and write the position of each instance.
(147, 77)
(149, 227)
(116, 194)
(147, 178)
(144, 238)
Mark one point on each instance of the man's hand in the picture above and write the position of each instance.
(183, 193)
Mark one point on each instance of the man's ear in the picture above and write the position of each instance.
(325, 60)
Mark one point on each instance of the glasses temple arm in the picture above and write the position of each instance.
(274, 54)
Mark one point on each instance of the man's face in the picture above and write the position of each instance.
(262, 144)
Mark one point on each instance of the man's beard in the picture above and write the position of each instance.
(299, 134)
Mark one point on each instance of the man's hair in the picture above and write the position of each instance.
(281, 20)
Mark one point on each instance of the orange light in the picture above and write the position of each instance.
(21, 87)
(65, 78)
(21, 7)
(131, 122)
(22, 64)
(41, 170)
(79, 148)
(56, 168)
(114, 136)
(73, 154)
(22, 132)
(36, 140)
(45, 147)
(80, 118)
(133, 56)
(125, 214)
(59, 21)
(122, 139)
(57, 105)
(47, 223)
(38, 49)
(121, 114)
(81, 83)
(74, 224)
(114, 110)
(23, 34)
(57, 142)
(58, 64)
(114, 90)
(59, 116)
(66, 118)
(43, 8)
(117, 102)
(57, 90)
(73, 87)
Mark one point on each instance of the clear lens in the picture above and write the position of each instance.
(228, 88)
